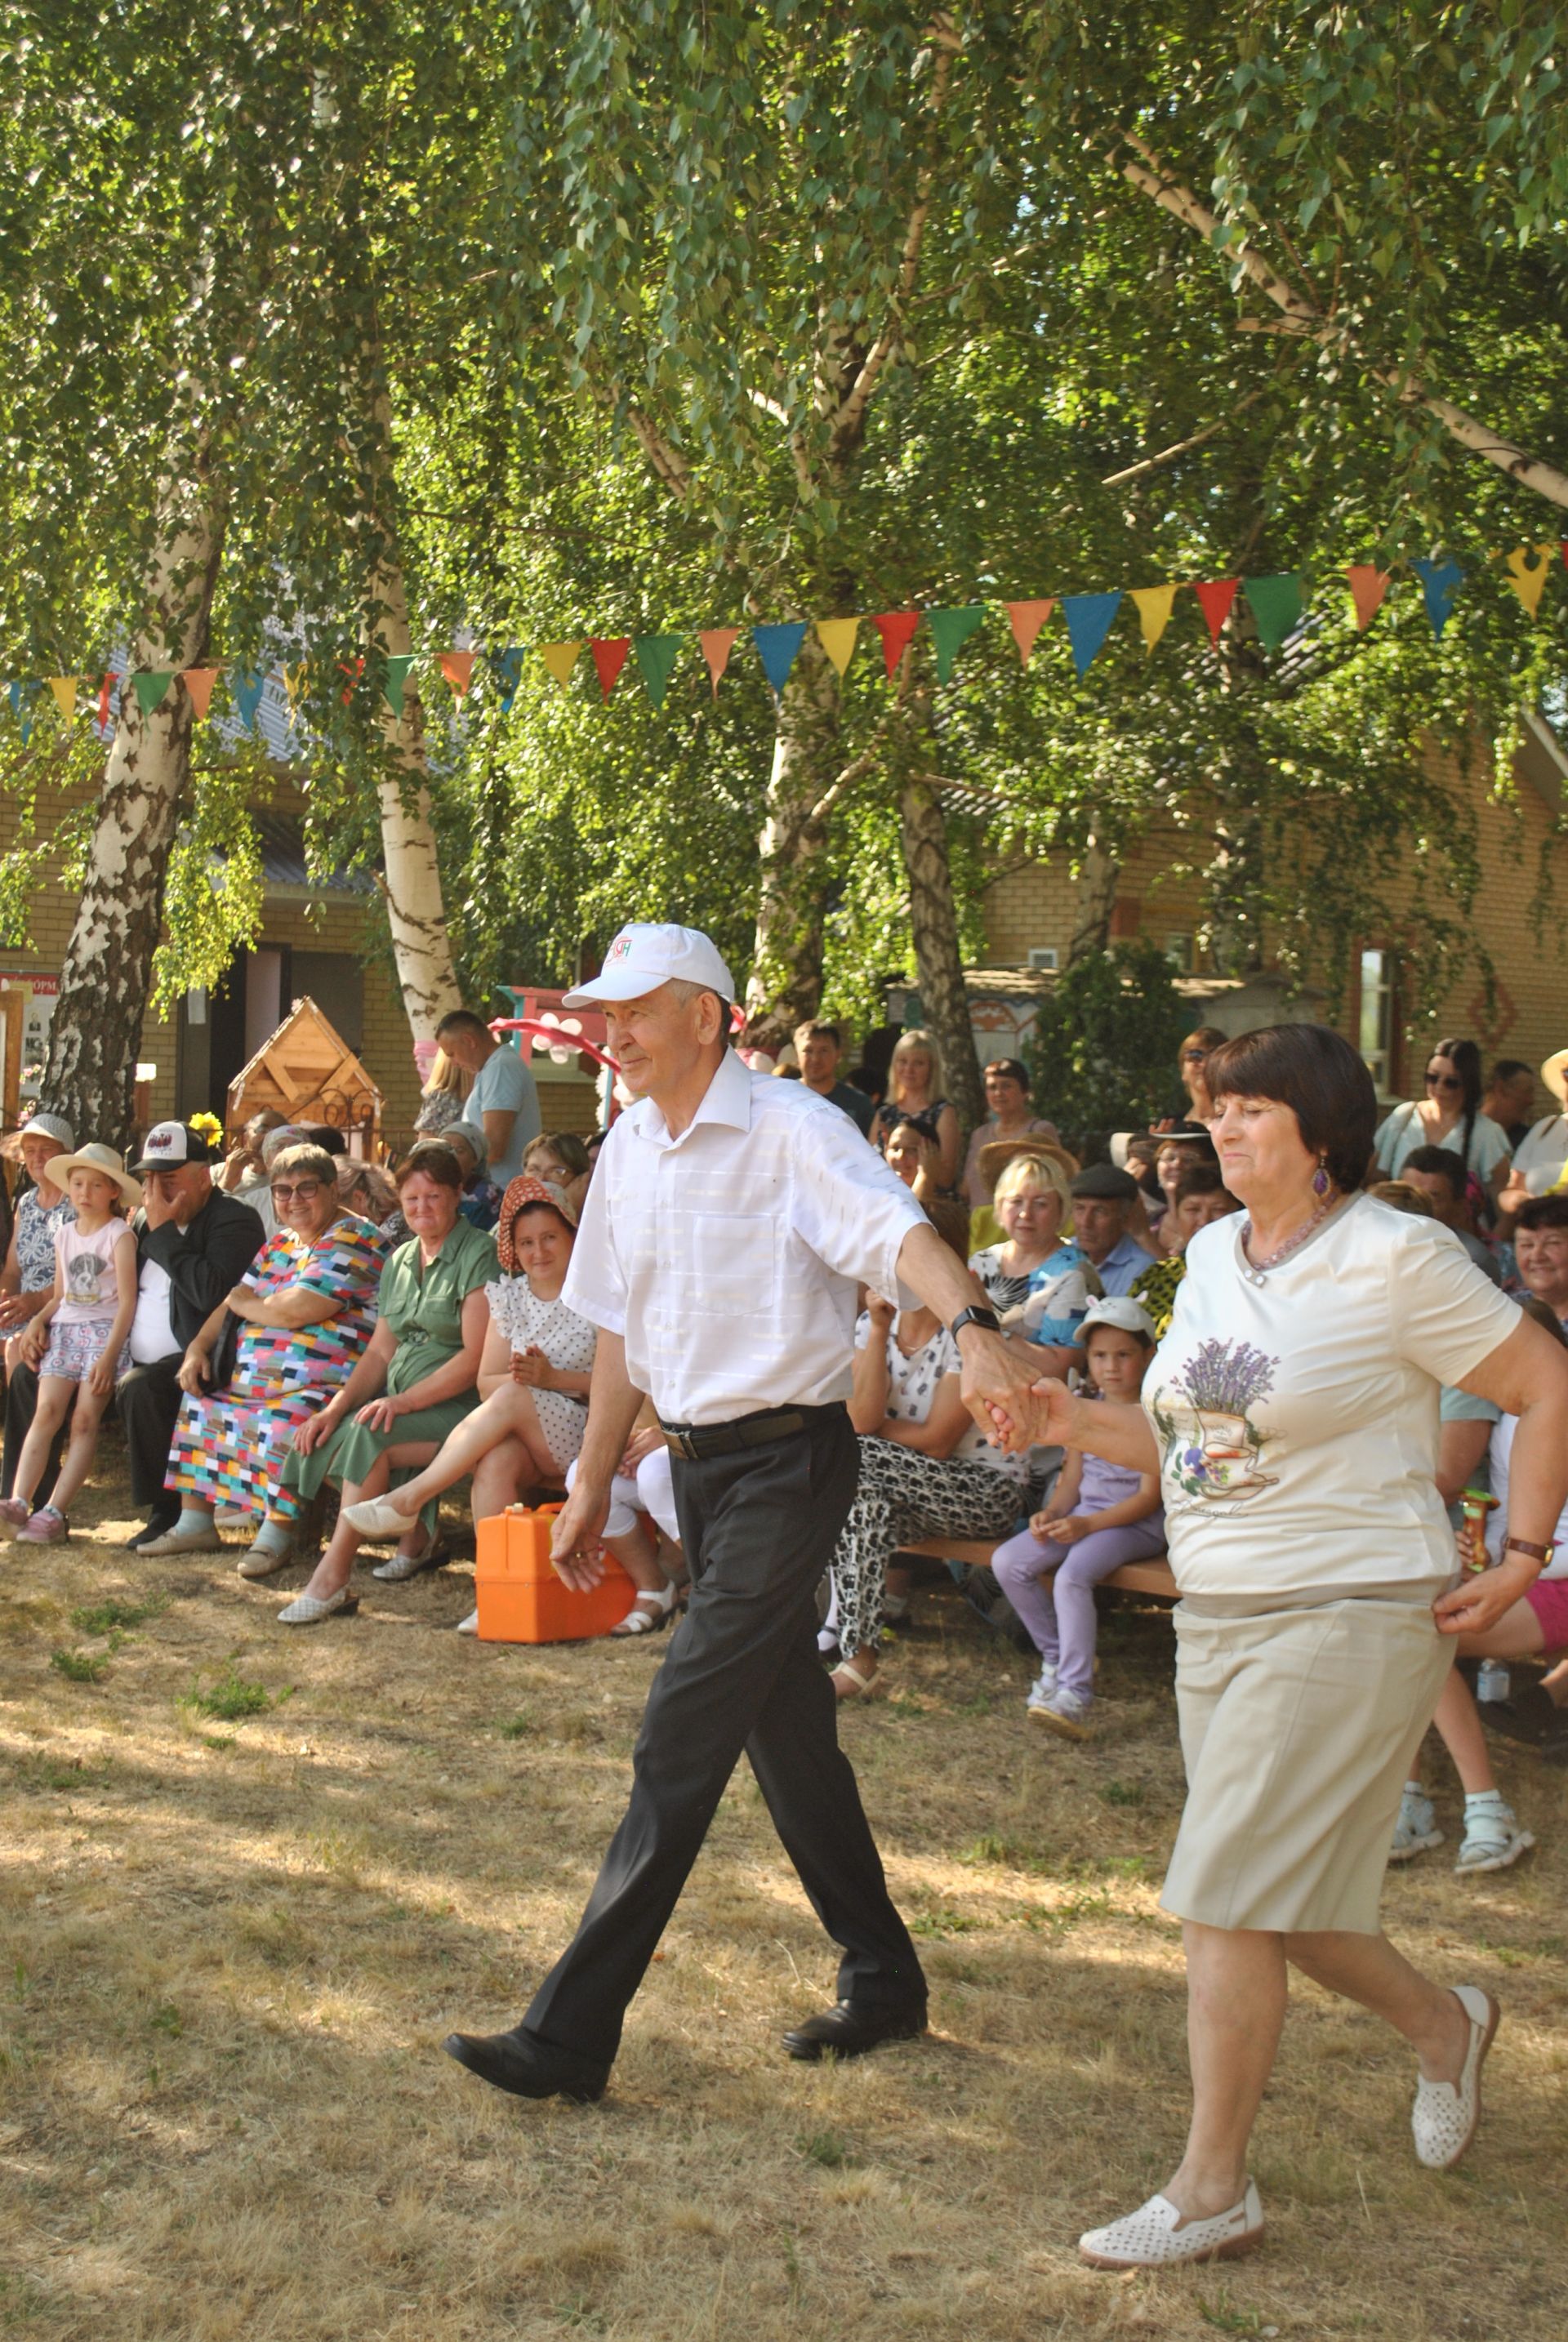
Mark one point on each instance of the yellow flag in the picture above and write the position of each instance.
(836, 636)
(63, 687)
(1527, 566)
(294, 680)
(559, 659)
(1153, 610)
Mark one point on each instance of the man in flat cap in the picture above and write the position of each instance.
(1103, 1201)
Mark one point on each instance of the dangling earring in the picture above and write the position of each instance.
(1319, 1181)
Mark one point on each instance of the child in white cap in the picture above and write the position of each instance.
(1099, 1516)
(79, 1342)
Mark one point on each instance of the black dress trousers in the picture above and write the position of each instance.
(742, 1672)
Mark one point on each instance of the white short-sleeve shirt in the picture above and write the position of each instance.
(1543, 1149)
(728, 1257)
(1298, 1419)
(1399, 1133)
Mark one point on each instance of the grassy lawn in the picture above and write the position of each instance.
(251, 1877)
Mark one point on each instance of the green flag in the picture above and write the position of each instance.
(1276, 604)
(395, 682)
(655, 656)
(949, 630)
(152, 686)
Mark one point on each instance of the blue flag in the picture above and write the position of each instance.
(507, 668)
(1439, 581)
(1089, 620)
(776, 648)
(247, 690)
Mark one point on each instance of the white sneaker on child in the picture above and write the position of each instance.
(1041, 1689)
(1064, 1711)
(1415, 1832)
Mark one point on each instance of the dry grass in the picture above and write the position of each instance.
(233, 1941)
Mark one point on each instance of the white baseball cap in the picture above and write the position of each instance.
(643, 956)
(1119, 1310)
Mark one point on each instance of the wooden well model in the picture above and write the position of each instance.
(307, 1072)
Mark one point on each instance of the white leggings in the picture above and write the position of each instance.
(650, 1490)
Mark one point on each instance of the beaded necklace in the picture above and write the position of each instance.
(1256, 1271)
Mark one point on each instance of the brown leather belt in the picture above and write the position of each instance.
(695, 1441)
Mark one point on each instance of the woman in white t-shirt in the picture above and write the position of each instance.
(1292, 1412)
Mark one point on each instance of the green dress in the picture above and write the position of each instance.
(424, 1307)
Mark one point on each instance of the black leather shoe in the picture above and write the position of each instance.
(853, 2026)
(509, 2061)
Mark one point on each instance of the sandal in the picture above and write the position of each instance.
(648, 1622)
(851, 1681)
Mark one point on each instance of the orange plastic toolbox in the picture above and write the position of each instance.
(522, 1600)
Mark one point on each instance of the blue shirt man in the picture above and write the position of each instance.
(1103, 1201)
(503, 1103)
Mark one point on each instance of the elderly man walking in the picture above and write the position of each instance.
(728, 1223)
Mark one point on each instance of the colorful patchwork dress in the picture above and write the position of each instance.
(229, 1445)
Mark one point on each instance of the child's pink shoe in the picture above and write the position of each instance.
(15, 1511)
(45, 1526)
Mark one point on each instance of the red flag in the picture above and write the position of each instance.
(457, 667)
(608, 653)
(717, 642)
(1026, 619)
(896, 628)
(199, 681)
(1216, 598)
(109, 683)
(354, 670)
(1368, 586)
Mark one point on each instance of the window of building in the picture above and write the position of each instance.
(1376, 1034)
(1178, 950)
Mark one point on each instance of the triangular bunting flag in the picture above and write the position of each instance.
(1153, 603)
(295, 679)
(104, 694)
(394, 681)
(896, 628)
(1026, 619)
(152, 686)
(1089, 620)
(608, 653)
(656, 656)
(559, 659)
(63, 687)
(353, 669)
(1216, 598)
(717, 642)
(23, 697)
(457, 667)
(1368, 584)
(199, 681)
(507, 667)
(836, 636)
(1276, 605)
(1439, 581)
(245, 688)
(777, 647)
(1526, 569)
(949, 630)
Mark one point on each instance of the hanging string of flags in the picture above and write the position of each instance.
(1277, 605)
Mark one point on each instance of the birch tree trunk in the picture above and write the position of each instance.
(1097, 878)
(96, 1033)
(785, 983)
(938, 956)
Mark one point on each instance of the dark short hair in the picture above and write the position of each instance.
(323, 1135)
(1508, 1069)
(1207, 1036)
(305, 1156)
(566, 1147)
(435, 1161)
(1014, 1069)
(1200, 1179)
(463, 1020)
(815, 1029)
(1438, 1163)
(1313, 1070)
(1542, 1212)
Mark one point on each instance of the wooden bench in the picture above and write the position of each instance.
(1148, 1577)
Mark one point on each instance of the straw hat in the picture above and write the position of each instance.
(995, 1157)
(96, 1156)
(1555, 1073)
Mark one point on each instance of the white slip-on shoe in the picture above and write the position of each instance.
(175, 1541)
(1445, 2114)
(377, 1516)
(469, 1626)
(262, 1561)
(1156, 2236)
(309, 1609)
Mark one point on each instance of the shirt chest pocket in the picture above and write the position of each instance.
(721, 1264)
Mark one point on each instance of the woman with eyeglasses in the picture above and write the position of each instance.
(296, 1325)
(1449, 1115)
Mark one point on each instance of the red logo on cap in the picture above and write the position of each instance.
(620, 946)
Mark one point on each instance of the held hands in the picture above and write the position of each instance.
(576, 1548)
(1480, 1601)
(999, 1389)
(532, 1367)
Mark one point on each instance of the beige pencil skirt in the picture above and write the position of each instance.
(1299, 1728)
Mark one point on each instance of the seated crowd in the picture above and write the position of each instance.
(290, 1321)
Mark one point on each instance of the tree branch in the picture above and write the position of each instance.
(1182, 446)
(667, 463)
(1303, 316)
